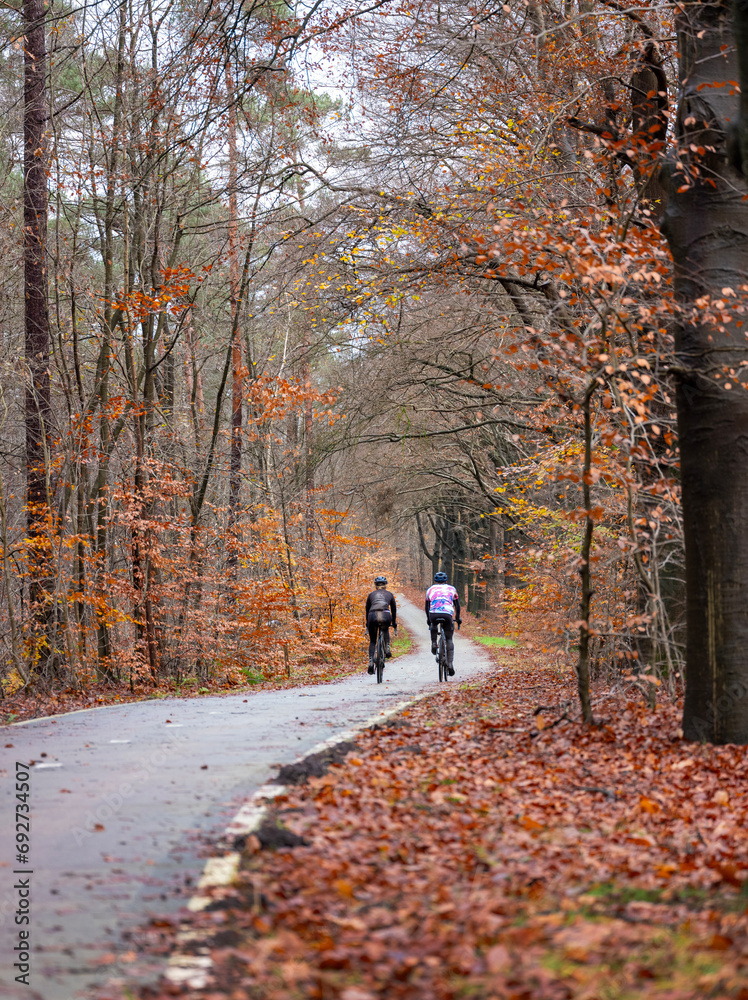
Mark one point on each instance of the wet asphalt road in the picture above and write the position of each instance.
(126, 799)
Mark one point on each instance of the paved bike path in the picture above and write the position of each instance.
(126, 798)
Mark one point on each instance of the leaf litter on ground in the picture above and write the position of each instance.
(477, 847)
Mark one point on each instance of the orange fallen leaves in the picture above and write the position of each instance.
(462, 853)
(344, 887)
(475, 855)
(648, 806)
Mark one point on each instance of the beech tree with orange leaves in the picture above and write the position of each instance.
(564, 286)
(549, 173)
(486, 245)
(167, 259)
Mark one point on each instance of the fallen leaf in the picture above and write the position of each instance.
(344, 887)
(648, 805)
(498, 959)
(530, 824)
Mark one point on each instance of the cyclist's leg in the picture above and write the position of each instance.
(386, 622)
(379, 656)
(449, 631)
(372, 625)
(432, 630)
(441, 657)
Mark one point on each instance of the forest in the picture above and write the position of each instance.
(295, 292)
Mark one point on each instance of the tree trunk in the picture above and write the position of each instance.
(706, 224)
(308, 449)
(237, 386)
(447, 560)
(99, 499)
(493, 572)
(38, 395)
(435, 556)
(459, 544)
(585, 607)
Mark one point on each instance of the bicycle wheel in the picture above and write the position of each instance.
(443, 674)
(379, 656)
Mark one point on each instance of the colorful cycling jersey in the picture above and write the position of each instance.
(441, 598)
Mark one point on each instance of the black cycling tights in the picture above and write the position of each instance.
(449, 631)
(372, 624)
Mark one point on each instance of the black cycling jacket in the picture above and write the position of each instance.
(382, 600)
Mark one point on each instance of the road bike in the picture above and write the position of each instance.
(379, 653)
(441, 652)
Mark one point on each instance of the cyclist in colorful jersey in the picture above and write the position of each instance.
(380, 607)
(443, 604)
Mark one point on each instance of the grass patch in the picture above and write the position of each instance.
(495, 640)
(620, 894)
(670, 963)
(617, 895)
(402, 644)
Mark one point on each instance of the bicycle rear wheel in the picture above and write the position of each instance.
(379, 656)
(443, 673)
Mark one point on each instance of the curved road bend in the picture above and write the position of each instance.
(124, 798)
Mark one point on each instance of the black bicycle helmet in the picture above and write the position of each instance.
(440, 577)
(382, 580)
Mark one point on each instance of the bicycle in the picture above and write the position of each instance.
(441, 652)
(379, 655)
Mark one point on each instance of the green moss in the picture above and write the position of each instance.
(495, 640)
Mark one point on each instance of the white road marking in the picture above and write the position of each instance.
(217, 872)
(221, 871)
(189, 970)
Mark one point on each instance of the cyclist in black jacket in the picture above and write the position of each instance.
(380, 607)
